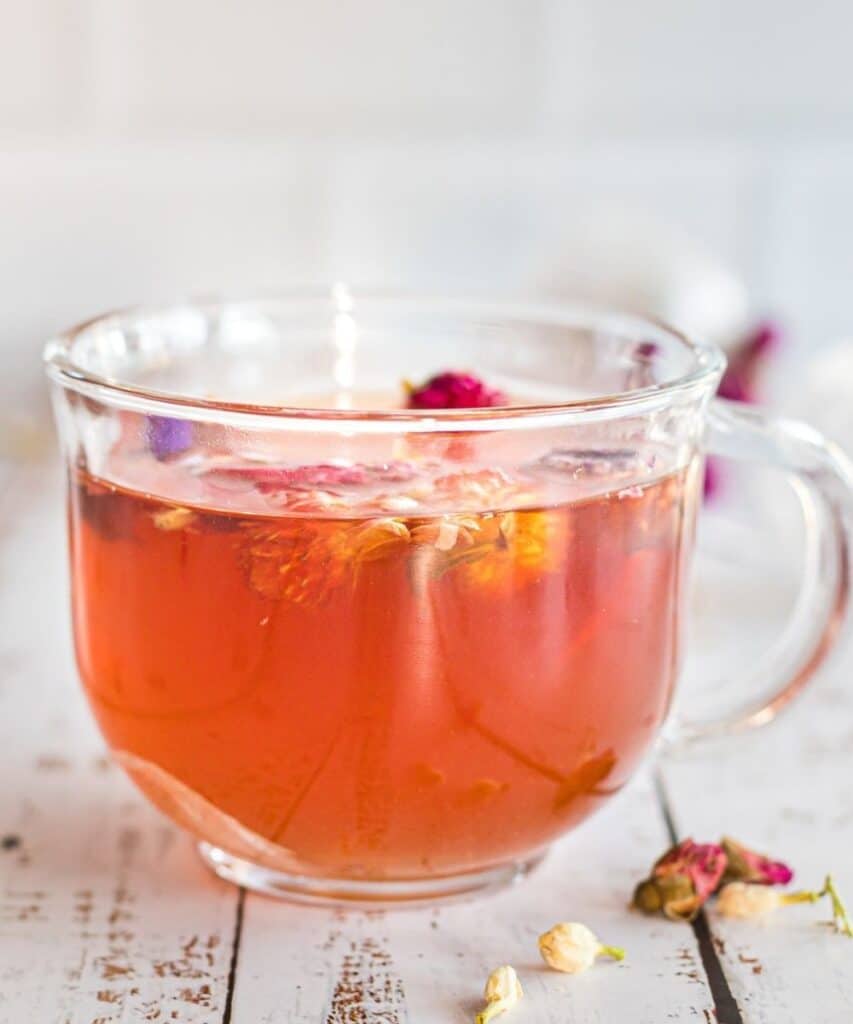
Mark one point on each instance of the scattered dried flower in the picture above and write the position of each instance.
(503, 990)
(571, 947)
(749, 899)
(745, 865)
(451, 390)
(754, 899)
(375, 539)
(682, 880)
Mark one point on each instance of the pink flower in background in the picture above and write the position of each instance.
(740, 384)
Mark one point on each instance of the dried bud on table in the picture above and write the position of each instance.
(503, 990)
(745, 899)
(682, 880)
(571, 947)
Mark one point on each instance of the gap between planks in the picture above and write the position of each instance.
(725, 1005)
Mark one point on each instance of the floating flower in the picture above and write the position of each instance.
(751, 899)
(571, 947)
(503, 991)
(175, 517)
(451, 390)
(745, 865)
(682, 880)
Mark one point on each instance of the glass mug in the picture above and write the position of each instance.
(366, 652)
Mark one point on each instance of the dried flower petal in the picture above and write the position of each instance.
(682, 880)
(571, 947)
(167, 436)
(503, 991)
(174, 518)
(452, 390)
(745, 865)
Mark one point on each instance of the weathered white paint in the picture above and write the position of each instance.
(106, 915)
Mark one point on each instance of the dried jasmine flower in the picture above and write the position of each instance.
(751, 899)
(571, 947)
(754, 899)
(503, 991)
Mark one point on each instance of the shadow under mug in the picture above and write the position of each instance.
(369, 653)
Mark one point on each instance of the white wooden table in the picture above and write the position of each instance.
(107, 914)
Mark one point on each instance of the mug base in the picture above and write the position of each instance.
(349, 892)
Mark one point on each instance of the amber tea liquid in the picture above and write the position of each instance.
(383, 695)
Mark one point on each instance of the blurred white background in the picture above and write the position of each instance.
(154, 148)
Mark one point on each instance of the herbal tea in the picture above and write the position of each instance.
(320, 670)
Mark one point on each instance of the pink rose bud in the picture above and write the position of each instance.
(745, 865)
(453, 391)
(682, 880)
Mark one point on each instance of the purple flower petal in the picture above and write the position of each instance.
(166, 436)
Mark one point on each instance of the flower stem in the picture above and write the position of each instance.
(840, 916)
(616, 952)
(801, 897)
(495, 1007)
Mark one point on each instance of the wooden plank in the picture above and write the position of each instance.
(428, 966)
(106, 914)
(788, 791)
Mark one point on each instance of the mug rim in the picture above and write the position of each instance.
(708, 362)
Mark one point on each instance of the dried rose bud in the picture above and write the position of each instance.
(571, 947)
(682, 880)
(745, 899)
(745, 865)
(503, 991)
(453, 391)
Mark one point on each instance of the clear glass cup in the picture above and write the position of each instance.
(365, 652)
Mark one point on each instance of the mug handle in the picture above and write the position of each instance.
(822, 478)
